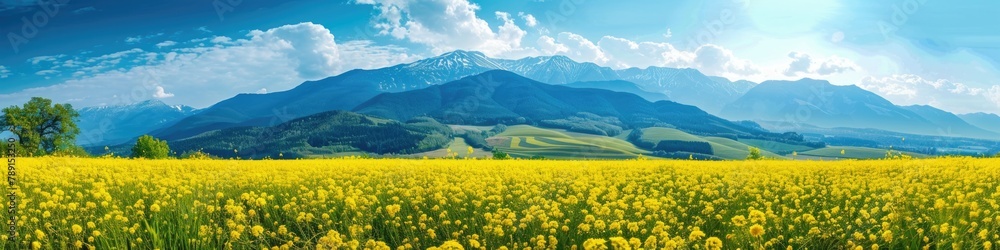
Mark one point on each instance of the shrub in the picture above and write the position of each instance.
(196, 155)
(500, 155)
(755, 154)
(150, 148)
(684, 146)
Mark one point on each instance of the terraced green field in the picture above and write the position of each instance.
(528, 141)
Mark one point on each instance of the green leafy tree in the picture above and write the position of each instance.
(635, 135)
(500, 155)
(755, 154)
(44, 128)
(151, 148)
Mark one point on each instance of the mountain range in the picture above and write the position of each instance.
(819, 103)
(986, 121)
(414, 89)
(505, 97)
(347, 90)
(120, 123)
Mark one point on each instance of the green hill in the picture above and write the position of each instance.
(525, 141)
(852, 153)
(776, 147)
(722, 147)
(324, 134)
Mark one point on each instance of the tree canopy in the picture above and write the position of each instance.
(44, 128)
(151, 148)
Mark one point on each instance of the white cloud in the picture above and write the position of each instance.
(579, 48)
(222, 40)
(548, 46)
(274, 59)
(994, 95)
(84, 10)
(46, 72)
(166, 44)
(715, 60)
(4, 72)
(623, 53)
(261, 91)
(447, 25)
(908, 89)
(39, 59)
(160, 93)
(528, 19)
(805, 64)
(311, 45)
(133, 39)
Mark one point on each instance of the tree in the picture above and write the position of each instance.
(151, 148)
(44, 128)
(635, 135)
(500, 155)
(755, 154)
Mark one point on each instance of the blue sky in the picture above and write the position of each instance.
(198, 52)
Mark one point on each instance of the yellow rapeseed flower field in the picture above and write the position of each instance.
(72, 203)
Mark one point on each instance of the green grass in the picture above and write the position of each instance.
(458, 145)
(657, 134)
(722, 147)
(774, 146)
(528, 141)
(459, 129)
(852, 153)
(525, 130)
(730, 149)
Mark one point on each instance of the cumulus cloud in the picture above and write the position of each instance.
(222, 40)
(446, 25)
(805, 64)
(528, 19)
(908, 89)
(160, 93)
(620, 53)
(715, 60)
(311, 45)
(136, 39)
(274, 59)
(579, 48)
(4, 72)
(166, 44)
(548, 46)
(994, 95)
(624, 53)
